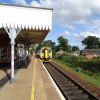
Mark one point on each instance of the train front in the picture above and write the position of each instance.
(46, 54)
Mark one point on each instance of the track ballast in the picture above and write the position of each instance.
(69, 88)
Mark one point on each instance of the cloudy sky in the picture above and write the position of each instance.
(74, 19)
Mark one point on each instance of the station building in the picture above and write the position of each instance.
(21, 26)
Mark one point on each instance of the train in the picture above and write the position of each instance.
(45, 54)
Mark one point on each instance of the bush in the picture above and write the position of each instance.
(67, 59)
(96, 58)
(92, 66)
(87, 65)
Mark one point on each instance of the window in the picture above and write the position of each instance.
(3, 53)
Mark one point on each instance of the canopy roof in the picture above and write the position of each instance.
(34, 22)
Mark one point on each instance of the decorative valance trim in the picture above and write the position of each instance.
(25, 26)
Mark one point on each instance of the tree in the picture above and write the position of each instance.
(69, 48)
(91, 42)
(99, 45)
(38, 47)
(75, 48)
(32, 48)
(62, 43)
(49, 43)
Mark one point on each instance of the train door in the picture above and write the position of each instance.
(46, 54)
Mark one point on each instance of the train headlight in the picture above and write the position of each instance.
(50, 55)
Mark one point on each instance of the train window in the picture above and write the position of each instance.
(49, 50)
(3, 53)
(43, 51)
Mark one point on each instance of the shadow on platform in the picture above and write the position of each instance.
(5, 67)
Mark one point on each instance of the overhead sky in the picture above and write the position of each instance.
(74, 19)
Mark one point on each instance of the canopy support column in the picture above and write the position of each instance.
(12, 63)
(12, 32)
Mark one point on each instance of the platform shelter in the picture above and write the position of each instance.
(21, 25)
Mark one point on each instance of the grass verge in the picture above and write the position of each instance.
(92, 79)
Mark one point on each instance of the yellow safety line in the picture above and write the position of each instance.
(33, 87)
(32, 93)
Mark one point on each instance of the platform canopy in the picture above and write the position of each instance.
(34, 22)
(25, 25)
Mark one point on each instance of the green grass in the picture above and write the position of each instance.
(93, 79)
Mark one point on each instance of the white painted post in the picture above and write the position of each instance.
(12, 63)
(12, 32)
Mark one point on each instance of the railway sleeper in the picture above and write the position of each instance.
(70, 89)
(60, 78)
(78, 97)
(78, 91)
(62, 81)
(54, 74)
(74, 93)
(66, 84)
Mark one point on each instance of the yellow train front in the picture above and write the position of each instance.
(46, 54)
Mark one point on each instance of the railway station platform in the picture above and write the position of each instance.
(32, 83)
(22, 88)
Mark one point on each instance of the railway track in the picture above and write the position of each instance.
(69, 87)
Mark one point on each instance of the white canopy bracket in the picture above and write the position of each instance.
(12, 32)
